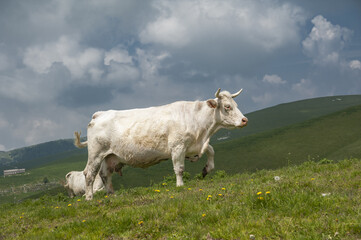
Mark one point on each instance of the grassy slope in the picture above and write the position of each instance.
(55, 172)
(294, 208)
(335, 136)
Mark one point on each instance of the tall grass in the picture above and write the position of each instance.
(310, 201)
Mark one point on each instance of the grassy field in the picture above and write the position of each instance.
(31, 184)
(309, 201)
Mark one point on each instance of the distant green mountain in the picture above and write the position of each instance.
(37, 155)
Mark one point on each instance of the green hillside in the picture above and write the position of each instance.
(307, 201)
(290, 113)
(37, 155)
(335, 136)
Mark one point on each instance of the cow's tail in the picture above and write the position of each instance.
(77, 141)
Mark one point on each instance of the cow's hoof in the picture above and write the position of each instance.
(88, 198)
(204, 172)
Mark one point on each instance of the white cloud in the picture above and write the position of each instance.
(355, 64)
(18, 87)
(118, 55)
(66, 50)
(122, 73)
(261, 25)
(264, 99)
(273, 79)
(3, 122)
(167, 31)
(325, 41)
(304, 88)
(2, 147)
(33, 130)
(150, 63)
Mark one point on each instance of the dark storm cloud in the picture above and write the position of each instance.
(75, 96)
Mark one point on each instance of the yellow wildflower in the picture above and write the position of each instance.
(260, 198)
(78, 200)
(200, 189)
(164, 184)
(203, 215)
(189, 188)
(21, 217)
(223, 188)
(156, 190)
(209, 196)
(171, 197)
(167, 190)
(106, 196)
(69, 205)
(84, 220)
(220, 195)
(140, 222)
(268, 192)
(312, 179)
(259, 193)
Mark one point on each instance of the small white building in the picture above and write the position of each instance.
(13, 171)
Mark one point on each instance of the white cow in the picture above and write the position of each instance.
(144, 137)
(75, 183)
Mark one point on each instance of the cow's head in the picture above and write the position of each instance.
(227, 113)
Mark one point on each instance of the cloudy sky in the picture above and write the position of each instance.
(62, 60)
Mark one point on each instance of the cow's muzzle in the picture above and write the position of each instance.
(244, 122)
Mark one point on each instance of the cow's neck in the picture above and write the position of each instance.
(209, 123)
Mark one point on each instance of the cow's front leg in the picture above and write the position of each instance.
(178, 165)
(210, 160)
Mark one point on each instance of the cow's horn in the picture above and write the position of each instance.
(237, 93)
(217, 93)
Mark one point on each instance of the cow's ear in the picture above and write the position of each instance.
(212, 103)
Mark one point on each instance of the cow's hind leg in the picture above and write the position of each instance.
(178, 157)
(108, 167)
(106, 175)
(90, 171)
(210, 161)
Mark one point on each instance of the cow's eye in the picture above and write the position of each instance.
(227, 107)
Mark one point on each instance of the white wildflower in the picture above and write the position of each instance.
(325, 194)
(277, 178)
(252, 236)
